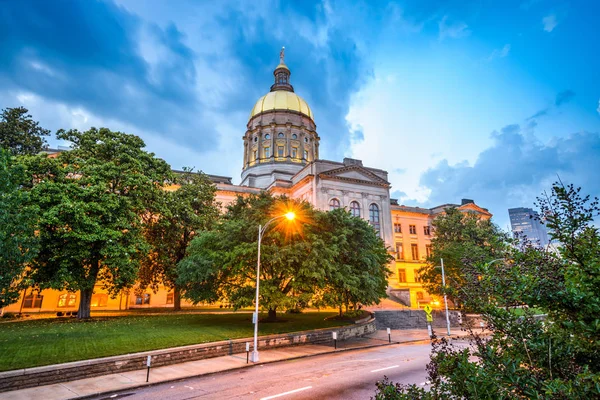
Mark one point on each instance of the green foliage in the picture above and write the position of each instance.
(19, 133)
(320, 259)
(357, 270)
(18, 244)
(221, 264)
(181, 214)
(91, 201)
(553, 357)
(459, 236)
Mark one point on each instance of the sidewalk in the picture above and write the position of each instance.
(132, 379)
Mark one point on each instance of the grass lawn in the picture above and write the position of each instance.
(39, 342)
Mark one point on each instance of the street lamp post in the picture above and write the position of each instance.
(445, 297)
(261, 231)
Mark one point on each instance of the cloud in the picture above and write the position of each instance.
(516, 169)
(549, 22)
(90, 56)
(564, 97)
(453, 30)
(499, 53)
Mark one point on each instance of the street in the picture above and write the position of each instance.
(345, 375)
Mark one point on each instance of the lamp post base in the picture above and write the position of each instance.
(254, 356)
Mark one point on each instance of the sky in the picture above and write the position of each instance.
(486, 100)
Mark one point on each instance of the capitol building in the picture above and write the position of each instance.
(281, 155)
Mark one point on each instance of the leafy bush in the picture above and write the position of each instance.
(525, 357)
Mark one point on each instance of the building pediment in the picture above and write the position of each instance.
(355, 174)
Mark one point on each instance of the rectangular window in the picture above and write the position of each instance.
(255, 154)
(399, 251)
(67, 300)
(397, 228)
(267, 152)
(427, 230)
(428, 250)
(402, 275)
(306, 154)
(99, 300)
(412, 229)
(143, 299)
(279, 151)
(33, 301)
(415, 251)
(294, 152)
(170, 297)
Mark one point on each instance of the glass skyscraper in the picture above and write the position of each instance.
(526, 222)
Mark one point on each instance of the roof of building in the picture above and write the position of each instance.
(281, 100)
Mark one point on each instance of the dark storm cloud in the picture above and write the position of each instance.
(87, 54)
(515, 170)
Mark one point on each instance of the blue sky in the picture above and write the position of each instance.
(485, 100)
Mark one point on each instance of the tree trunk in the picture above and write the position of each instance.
(87, 292)
(176, 298)
(84, 303)
(340, 307)
(272, 316)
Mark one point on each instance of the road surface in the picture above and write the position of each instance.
(345, 375)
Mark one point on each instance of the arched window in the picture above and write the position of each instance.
(355, 209)
(280, 134)
(334, 204)
(374, 216)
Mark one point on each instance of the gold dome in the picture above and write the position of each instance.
(281, 100)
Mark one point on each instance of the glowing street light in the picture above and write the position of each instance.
(290, 216)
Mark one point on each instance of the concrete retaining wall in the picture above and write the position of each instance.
(413, 319)
(38, 376)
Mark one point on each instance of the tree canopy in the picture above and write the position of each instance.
(182, 214)
(18, 243)
(302, 263)
(19, 133)
(459, 236)
(357, 271)
(92, 200)
(552, 355)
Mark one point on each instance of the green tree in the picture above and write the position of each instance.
(221, 264)
(18, 243)
(92, 200)
(555, 357)
(183, 213)
(356, 272)
(19, 133)
(459, 236)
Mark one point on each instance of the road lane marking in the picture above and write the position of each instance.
(383, 369)
(286, 393)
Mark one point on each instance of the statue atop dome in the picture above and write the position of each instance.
(282, 55)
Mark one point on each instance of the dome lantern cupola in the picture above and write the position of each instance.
(282, 75)
(281, 137)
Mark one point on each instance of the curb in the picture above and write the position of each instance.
(150, 384)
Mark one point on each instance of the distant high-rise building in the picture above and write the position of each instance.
(526, 222)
